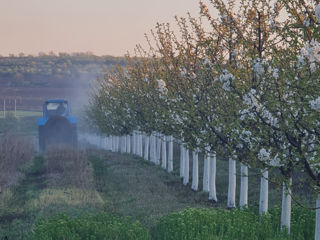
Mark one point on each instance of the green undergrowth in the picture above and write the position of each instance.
(222, 224)
(189, 224)
(16, 218)
(129, 198)
(101, 226)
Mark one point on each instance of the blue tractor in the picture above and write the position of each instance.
(57, 127)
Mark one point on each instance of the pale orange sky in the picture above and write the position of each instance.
(103, 27)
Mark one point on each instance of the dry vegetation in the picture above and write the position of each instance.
(68, 168)
(69, 179)
(15, 152)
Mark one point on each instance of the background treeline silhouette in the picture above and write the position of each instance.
(58, 70)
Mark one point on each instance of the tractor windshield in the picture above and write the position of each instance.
(54, 109)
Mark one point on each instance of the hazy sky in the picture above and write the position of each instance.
(103, 27)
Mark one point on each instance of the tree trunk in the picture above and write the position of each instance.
(108, 144)
(182, 156)
(286, 205)
(153, 149)
(206, 173)
(121, 144)
(140, 144)
(158, 148)
(264, 189)
(146, 147)
(112, 144)
(244, 187)
(195, 171)
(164, 152)
(124, 144)
(212, 177)
(134, 143)
(170, 154)
(317, 232)
(128, 144)
(232, 184)
(186, 167)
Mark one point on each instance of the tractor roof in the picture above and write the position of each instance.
(56, 101)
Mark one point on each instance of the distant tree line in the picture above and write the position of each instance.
(53, 70)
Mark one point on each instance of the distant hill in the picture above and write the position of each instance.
(50, 70)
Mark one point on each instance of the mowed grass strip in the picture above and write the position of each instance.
(133, 187)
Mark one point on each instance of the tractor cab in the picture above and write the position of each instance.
(57, 127)
(56, 108)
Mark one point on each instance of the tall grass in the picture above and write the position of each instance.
(233, 224)
(15, 152)
(100, 226)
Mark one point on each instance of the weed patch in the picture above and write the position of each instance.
(101, 226)
(222, 224)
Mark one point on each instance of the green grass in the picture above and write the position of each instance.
(89, 226)
(26, 125)
(206, 224)
(15, 218)
(132, 187)
(21, 114)
(128, 188)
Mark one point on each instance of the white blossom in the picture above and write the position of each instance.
(317, 12)
(258, 67)
(226, 78)
(162, 86)
(315, 104)
(306, 22)
(264, 155)
(311, 51)
(207, 62)
(313, 67)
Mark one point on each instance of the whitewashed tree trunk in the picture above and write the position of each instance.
(195, 170)
(124, 142)
(186, 167)
(112, 144)
(212, 177)
(205, 180)
(164, 152)
(133, 143)
(170, 154)
(286, 205)
(317, 232)
(146, 147)
(118, 144)
(158, 148)
(136, 143)
(182, 156)
(121, 144)
(153, 151)
(105, 143)
(128, 144)
(244, 187)
(140, 144)
(232, 184)
(109, 145)
(264, 190)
